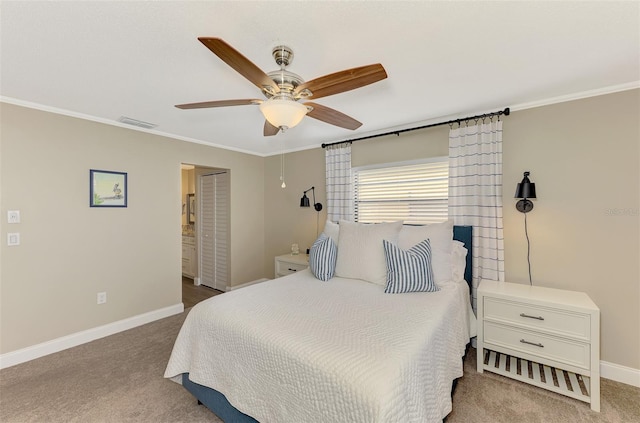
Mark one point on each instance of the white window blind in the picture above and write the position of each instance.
(416, 193)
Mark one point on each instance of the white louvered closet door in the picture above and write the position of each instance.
(214, 227)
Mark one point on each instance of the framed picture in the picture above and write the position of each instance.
(191, 208)
(107, 189)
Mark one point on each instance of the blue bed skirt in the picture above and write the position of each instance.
(216, 402)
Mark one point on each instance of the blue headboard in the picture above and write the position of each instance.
(464, 235)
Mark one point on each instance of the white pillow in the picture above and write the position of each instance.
(331, 230)
(440, 235)
(458, 261)
(360, 250)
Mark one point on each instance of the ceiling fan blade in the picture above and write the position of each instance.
(269, 129)
(343, 81)
(241, 64)
(331, 116)
(220, 103)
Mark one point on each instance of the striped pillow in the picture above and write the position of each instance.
(409, 271)
(322, 258)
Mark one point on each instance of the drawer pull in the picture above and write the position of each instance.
(293, 270)
(531, 317)
(532, 343)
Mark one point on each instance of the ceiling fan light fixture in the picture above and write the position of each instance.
(283, 113)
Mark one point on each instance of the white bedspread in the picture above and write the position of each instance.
(296, 349)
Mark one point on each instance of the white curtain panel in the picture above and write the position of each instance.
(475, 195)
(338, 179)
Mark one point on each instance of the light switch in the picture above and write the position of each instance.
(13, 216)
(13, 239)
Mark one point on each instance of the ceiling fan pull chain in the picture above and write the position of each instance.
(284, 185)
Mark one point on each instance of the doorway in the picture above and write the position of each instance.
(205, 226)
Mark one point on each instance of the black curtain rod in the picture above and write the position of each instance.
(505, 112)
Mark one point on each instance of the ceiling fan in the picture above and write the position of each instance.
(284, 89)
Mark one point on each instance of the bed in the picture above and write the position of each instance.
(300, 349)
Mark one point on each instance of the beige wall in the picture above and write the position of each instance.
(584, 158)
(429, 142)
(285, 221)
(69, 251)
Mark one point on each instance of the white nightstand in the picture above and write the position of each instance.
(288, 264)
(543, 336)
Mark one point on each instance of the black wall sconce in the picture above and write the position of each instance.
(525, 190)
(304, 201)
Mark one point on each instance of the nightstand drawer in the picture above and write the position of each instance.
(550, 320)
(289, 263)
(538, 344)
(285, 268)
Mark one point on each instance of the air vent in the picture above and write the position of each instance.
(135, 122)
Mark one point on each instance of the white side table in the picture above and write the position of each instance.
(546, 337)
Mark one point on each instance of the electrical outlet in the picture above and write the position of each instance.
(102, 297)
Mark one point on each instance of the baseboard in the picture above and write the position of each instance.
(231, 288)
(55, 345)
(620, 373)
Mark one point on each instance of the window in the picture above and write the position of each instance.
(416, 192)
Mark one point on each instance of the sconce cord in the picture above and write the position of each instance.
(313, 190)
(526, 232)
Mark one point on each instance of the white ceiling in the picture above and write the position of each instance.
(102, 60)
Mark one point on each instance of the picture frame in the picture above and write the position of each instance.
(107, 188)
(191, 208)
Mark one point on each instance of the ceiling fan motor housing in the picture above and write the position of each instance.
(286, 80)
(283, 55)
